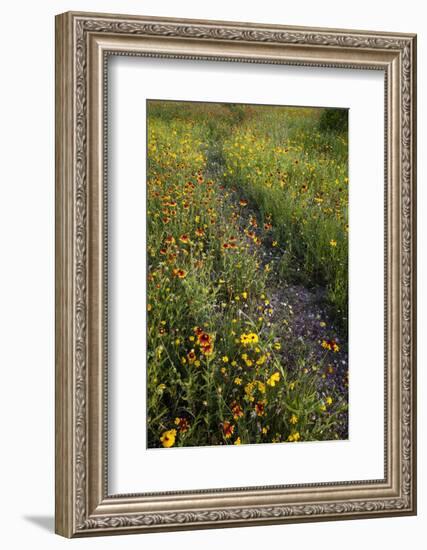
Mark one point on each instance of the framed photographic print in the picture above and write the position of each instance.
(235, 274)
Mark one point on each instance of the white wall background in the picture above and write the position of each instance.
(27, 274)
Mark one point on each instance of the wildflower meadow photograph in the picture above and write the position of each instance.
(247, 274)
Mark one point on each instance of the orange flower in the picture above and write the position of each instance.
(204, 338)
(227, 429)
(180, 273)
(199, 232)
(253, 221)
(243, 202)
(259, 408)
(208, 349)
(237, 411)
(184, 239)
(205, 341)
(182, 424)
(330, 345)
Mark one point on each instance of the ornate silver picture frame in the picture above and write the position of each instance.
(84, 42)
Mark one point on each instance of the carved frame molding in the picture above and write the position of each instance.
(83, 43)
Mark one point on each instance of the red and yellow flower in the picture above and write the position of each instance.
(237, 410)
(227, 429)
(180, 273)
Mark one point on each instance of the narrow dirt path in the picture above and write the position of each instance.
(298, 314)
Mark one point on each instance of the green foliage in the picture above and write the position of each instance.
(334, 120)
(302, 184)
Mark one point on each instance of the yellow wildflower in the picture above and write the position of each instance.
(249, 388)
(250, 338)
(261, 360)
(330, 345)
(191, 356)
(261, 386)
(274, 378)
(293, 419)
(167, 439)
